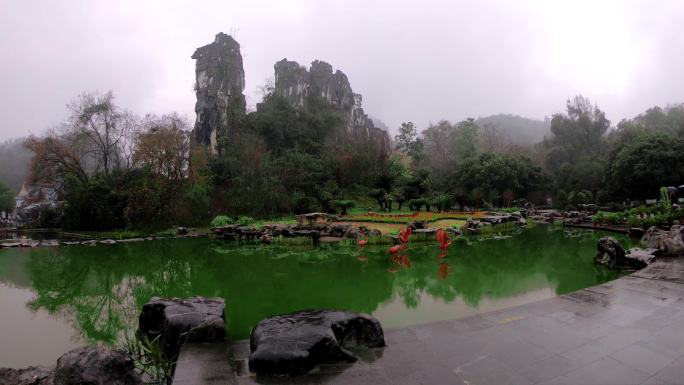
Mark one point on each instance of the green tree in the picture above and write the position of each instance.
(492, 177)
(6, 198)
(408, 142)
(575, 135)
(651, 161)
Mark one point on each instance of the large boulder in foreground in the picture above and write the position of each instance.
(669, 242)
(295, 343)
(177, 321)
(33, 375)
(94, 365)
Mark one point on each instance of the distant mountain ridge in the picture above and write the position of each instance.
(518, 129)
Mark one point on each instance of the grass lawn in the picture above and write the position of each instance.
(446, 223)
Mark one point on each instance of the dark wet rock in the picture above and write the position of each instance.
(313, 227)
(248, 232)
(177, 321)
(219, 83)
(636, 232)
(670, 242)
(418, 225)
(10, 244)
(611, 253)
(94, 365)
(644, 255)
(296, 343)
(315, 234)
(590, 208)
(426, 232)
(374, 232)
(182, 230)
(355, 232)
(338, 230)
(454, 231)
(266, 238)
(234, 232)
(33, 375)
(278, 230)
(131, 240)
(314, 218)
(497, 219)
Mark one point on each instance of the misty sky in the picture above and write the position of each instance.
(420, 61)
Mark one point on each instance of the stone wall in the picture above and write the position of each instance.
(220, 82)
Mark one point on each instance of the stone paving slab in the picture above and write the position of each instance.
(628, 331)
(205, 364)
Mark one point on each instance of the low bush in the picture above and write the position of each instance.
(221, 220)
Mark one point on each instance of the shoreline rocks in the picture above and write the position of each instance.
(33, 375)
(294, 344)
(92, 365)
(177, 321)
(610, 253)
(669, 242)
(97, 366)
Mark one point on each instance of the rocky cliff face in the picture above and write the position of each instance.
(296, 84)
(220, 81)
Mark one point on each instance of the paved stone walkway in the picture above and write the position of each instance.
(628, 331)
(205, 364)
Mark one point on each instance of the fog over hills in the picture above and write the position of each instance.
(518, 129)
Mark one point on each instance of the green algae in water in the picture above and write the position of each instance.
(98, 291)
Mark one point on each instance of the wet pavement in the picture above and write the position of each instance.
(628, 331)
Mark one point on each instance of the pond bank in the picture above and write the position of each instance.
(627, 331)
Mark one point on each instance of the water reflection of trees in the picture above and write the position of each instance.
(105, 286)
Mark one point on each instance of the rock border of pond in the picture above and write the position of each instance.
(338, 231)
(27, 244)
(657, 243)
(93, 365)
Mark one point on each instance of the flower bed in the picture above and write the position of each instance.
(421, 216)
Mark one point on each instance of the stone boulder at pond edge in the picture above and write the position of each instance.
(89, 365)
(33, 375)
(92, 365)
(177, 321)
(669, 242)
(295, 343)
(609, 252)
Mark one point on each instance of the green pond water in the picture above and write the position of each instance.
(54, 299)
